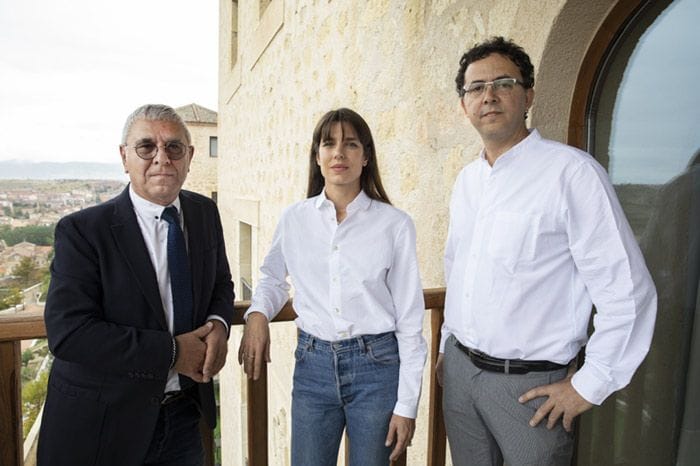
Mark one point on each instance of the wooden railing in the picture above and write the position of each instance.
(27, 325)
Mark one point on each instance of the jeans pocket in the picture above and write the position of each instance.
(300, 351)
(385, 351)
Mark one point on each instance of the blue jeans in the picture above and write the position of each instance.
(343, 384)
(176, 440)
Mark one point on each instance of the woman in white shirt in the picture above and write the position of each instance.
(351, 257)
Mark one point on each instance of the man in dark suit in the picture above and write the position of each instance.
(138, 326)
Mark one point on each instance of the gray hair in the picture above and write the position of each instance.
(154, 112)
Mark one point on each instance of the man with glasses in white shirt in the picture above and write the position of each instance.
(537, 236)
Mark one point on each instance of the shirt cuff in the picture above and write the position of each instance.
(592, 387)
(443, 340)
(250, 311)
(404, 410)
(220, 319)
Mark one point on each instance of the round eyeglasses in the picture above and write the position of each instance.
(175, 150)
(499, 86)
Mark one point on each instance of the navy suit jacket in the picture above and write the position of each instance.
(106, 328)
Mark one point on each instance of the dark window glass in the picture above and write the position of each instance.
(644, 127)
(213, 146)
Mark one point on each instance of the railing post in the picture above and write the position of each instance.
(257, 420)
(207, 442)
(10, 404)
(437, 439)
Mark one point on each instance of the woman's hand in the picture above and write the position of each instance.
(401, 431)
(255, 345)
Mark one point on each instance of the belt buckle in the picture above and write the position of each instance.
(486, 362)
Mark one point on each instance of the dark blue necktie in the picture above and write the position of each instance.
(180, 277)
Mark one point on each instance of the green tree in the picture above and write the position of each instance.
(10, 297)
(45, 281)
(26, 271)
(41, 235)
(33, 396)
(27, 356)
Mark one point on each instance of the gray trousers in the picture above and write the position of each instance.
(485, 423)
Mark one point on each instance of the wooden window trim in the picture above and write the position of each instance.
(609, 32)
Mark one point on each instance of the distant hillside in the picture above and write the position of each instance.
(23, 170)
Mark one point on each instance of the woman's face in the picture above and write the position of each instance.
(341, 157)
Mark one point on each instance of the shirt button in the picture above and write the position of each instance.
(337, 311)
(335, 248)
(467, 295)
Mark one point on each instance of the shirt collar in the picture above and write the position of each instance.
(511, 153)
(362, 201)
(147, 209)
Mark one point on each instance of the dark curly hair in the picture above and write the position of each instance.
(370, 181)
(501, 46)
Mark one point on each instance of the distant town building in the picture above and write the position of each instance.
(202, 123)
(39, 202)
(11, 256)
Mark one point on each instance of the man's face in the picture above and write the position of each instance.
(498, 116)
(159, 179)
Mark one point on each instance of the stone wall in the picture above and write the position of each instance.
(203, 175)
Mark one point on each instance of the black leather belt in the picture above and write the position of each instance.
(507, 366)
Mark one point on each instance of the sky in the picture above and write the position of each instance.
(71, 71)
(657, 112)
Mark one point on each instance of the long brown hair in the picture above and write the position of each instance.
(370, 181)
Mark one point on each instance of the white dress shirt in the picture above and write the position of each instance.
(533, 242)
(155, 235)
(359, 277)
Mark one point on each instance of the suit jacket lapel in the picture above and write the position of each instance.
(129, 241)
(194, 224)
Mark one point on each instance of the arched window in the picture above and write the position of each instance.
(642, 122)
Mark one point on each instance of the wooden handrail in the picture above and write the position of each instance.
(29, 325)
(23, 326)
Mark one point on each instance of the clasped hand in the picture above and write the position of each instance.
(201, 353)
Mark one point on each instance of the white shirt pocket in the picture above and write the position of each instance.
(513, 238)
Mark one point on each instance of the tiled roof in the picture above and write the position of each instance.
(194, 113)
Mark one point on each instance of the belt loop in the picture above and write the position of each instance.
(361, 342)
(309, 342)
(507, 366)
